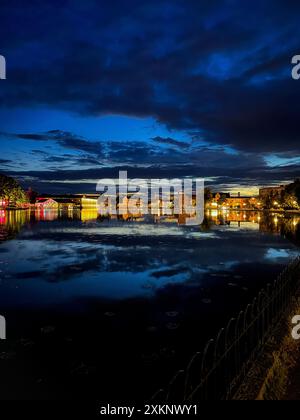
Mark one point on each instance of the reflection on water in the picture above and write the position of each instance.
(11, 223)
(148, 283)
(285, 225)
(124, 257)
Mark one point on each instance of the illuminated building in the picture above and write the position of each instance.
(45, 203)
(224, 202)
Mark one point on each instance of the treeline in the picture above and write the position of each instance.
(11, 193)
(289, 199)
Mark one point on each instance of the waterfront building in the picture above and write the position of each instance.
(45, 203)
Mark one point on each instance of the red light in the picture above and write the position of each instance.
(2, 217)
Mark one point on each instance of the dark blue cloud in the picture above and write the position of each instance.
(64, 139)
(79, 171)
(170, 141)
(5, 162)
(218, 70)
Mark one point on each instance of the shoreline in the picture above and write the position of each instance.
(32, 207)
(276, 371)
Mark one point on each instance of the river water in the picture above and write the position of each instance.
(93, 305)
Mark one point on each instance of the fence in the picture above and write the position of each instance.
(218, 371)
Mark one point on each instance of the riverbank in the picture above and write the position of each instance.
(16, 208)
(292, 391)
(279, 211)
(282, 211)
(276, 373)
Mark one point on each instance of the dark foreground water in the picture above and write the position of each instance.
(111, 309)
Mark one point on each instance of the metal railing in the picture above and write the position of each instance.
(218, 371)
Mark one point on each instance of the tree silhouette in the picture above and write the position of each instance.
(11, 191)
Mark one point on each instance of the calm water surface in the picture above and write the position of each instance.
(113, 298)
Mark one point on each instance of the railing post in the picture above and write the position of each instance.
(250, 332)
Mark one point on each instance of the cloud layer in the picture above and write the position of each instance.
(217, 71)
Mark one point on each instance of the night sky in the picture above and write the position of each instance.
(160, 88)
